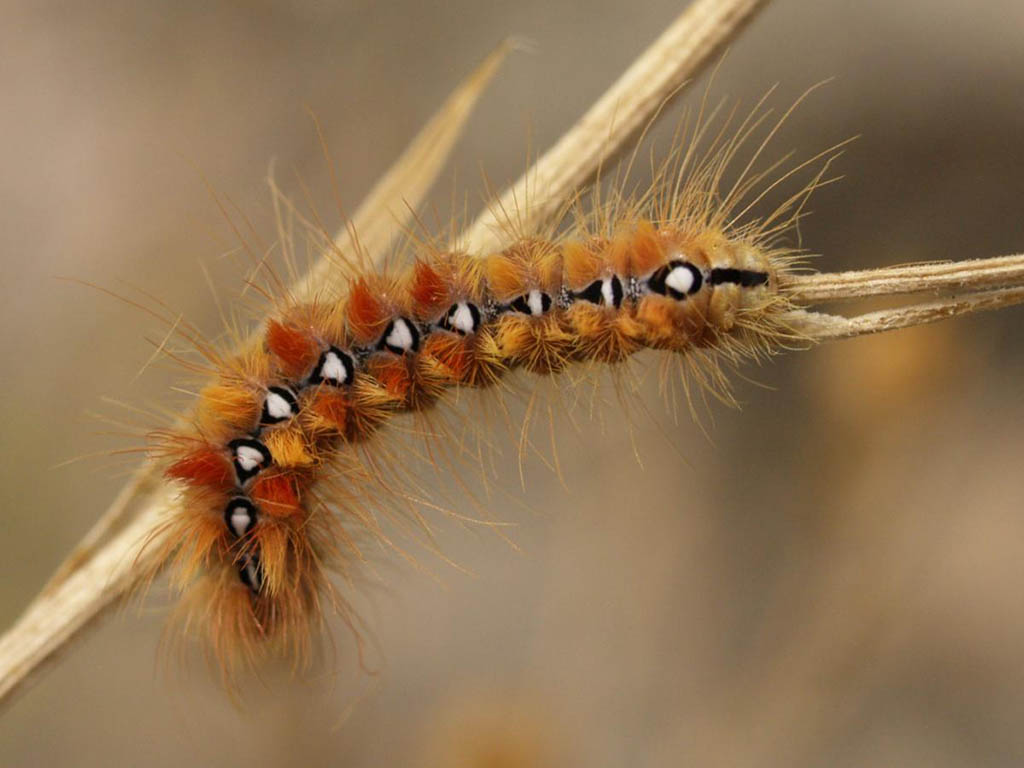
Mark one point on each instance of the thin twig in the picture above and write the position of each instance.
(960, 287)
(402, 188)
(825, 327)
(682, 50)
(976, 274)
(62, 611)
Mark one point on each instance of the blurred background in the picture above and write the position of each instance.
(833, 577)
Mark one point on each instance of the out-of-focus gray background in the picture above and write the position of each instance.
(833, 578)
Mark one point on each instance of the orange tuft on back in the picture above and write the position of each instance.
(328, 410)
(276, 494)
(582, 264)
(227, 405)
(366, 315)
(506, 276)
(648, 251)
(205, 466)
(295, 351)
(429, 292)
(452, 352)
(288, 447)
(393, 374)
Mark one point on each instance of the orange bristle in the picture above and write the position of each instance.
(646, 248)
(474, 361)
(507, 275)
(289, 447)
(453, 353)
(226, 406)
(327, 411)
(429, 292)
(370, 406)
(393, 373)
(206, 466)
(196, 538)
(539, 344)
(604, 335)
(276, 493)
(295, 351)
(583, 263)
(367, 317)
(274, 540)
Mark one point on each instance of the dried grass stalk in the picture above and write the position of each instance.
(686, 46)
(969, 286)
(974, 275)
(824, 327)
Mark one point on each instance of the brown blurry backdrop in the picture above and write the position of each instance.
(834, 578)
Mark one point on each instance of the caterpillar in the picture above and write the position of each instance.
(276, 468)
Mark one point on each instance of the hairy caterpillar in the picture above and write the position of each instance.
(933, 147)
(278, 484)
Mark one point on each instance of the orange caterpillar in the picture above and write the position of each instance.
(254, 543)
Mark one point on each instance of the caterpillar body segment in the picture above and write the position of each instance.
(286, 419)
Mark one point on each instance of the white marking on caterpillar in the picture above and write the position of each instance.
(401, 339)
(535, 301)
(248, 458)
(608, 292)
(680, 280)
(333, 369)
(240, 517)
(462, 319)
(278, 408)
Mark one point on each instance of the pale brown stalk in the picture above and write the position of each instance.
(825, 327)
(960, 288)
(685, 46)
(972, 275)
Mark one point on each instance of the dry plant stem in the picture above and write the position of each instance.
(976, 274)
(681, 51)
(975, 285)
(824, 327)
(400, 190)
(104, 571)
(62, 611)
